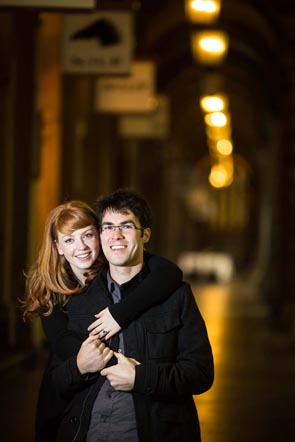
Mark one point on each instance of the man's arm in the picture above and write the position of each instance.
(192, 372)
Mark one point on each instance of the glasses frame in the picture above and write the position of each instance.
(125, 227)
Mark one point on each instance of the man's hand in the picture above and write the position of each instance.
(122, 375)
(93, 355)
(105, 326)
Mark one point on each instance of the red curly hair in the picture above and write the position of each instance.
(48, 280)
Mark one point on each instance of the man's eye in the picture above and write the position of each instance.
(127, 226)
(108, 228)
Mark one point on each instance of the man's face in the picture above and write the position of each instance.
(123, 247)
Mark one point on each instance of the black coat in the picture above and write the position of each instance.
(162, 277)
(171, 342)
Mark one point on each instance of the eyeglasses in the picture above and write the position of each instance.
(128, 227)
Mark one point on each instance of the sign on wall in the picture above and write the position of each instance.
(81, 4)
(154, 124)
(98, 43)
(133, 93)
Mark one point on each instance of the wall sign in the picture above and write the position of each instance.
(132, 93)
(81, 4)
(153, 125)
(98, 43)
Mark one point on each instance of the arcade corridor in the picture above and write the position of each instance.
(220, 179)
(252, 399)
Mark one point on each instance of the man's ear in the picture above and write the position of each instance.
(147, 233)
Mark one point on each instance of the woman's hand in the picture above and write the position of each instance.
(105, 326)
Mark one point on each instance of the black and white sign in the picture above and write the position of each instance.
(79, 4)
(98, 43)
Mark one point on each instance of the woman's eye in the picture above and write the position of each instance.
(69, 240)
(88, 235)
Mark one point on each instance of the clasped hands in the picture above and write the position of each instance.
(94, 355)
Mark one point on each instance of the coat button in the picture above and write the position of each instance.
(74, 420)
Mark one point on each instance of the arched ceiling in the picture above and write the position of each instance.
(261, 37)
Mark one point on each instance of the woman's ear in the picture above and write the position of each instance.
(59, 250)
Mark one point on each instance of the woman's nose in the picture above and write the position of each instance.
(81, 243)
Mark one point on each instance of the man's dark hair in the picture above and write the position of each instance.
(122, 201)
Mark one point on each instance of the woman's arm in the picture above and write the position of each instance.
(162, 280)
(62, 341)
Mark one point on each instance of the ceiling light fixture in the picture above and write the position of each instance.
(202, 11)
(210, 47)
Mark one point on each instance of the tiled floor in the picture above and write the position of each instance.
(253, 397)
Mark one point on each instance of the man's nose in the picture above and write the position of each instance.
(117, 232)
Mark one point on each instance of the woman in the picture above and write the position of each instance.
(67, 264)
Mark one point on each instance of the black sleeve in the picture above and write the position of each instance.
(62, 341)
(191, 371)
(163, 279)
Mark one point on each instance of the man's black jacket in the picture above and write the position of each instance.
(171, 343)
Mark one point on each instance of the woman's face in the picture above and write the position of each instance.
(80, 248)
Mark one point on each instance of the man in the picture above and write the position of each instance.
(144, 394)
